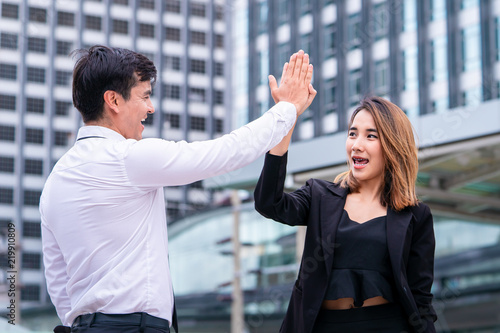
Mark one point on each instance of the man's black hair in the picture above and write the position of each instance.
(102, 68)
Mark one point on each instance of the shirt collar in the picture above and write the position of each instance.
(105, 132)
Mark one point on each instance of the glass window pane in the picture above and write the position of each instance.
(409, 15)
(410, 68)
(471, 48)
(438, 8)
(439, 64)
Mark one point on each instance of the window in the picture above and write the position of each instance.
(37, 45)
(440, 105)
(283, 55)
(497, 37)
(263, 63)
(381, 77)
(262, 13)
(6, 164)
(197, 123)
(8, 71)
(63, 78)
(410, 68)
(173, 210)
(219, 12)
(62, 108)
(10, 10)
(330, 36)
(197, 66)
(61, 138)
(354, 87)
(219, 97)
(93, 22)
(7, 133)
(31, 260)
(32, 229)
(146, 30)
(173, 119)
(66, 19)
(471, 48)
(283, 9)
(35, 105)
(198, 37)
(6, 195)
(305, 43)
(8, 41)
(173, 6)
(30, 292)
(120, 27)
(121, 2)
(469, 4)
(7, 102)
(219, 69)
(173, 34)
(197, 95)
(33, 167)
(34, 135)
(173, 63)
(197, 9)
(63, 48)
(147, 4)
(31, 197)
(219, 126)
(219, 41)
(354, 31)
(381, 19)
(37, 15)
(330, 93)
(472, 97)
(36, 74)
(172, 91)
(439, 61)
(409, 15)
(305, 6)
(438, 8)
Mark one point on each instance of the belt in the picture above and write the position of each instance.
(141, 319)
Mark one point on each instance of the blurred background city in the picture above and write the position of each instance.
(439, 60)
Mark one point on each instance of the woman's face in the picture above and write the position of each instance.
(364, 149)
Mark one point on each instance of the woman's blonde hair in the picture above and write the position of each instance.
(399, 150)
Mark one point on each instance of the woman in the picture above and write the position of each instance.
(368, 257)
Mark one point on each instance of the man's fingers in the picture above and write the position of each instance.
(273, 85)
(304, 67)
(291, 65)
(298, 64)
(285, 68)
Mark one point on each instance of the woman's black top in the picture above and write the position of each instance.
(361, 264)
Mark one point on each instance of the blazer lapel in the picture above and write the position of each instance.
(331, 207)
(397, 225)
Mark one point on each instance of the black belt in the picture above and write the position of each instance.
(140, 319)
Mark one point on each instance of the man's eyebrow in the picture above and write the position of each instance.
(148, 92)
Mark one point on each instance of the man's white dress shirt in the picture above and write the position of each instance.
(104, 228)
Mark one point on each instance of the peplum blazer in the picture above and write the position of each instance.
(319, 205)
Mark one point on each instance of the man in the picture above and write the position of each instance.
(104, 229)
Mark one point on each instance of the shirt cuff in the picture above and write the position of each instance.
(286, 112)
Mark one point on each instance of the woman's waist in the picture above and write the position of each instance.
(348, 303)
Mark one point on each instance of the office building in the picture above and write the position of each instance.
(185, 39)
(439, 60)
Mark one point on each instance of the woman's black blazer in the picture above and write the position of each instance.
(319, 205)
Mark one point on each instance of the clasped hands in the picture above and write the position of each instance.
(295, 84)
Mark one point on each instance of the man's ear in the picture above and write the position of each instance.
(111, 100)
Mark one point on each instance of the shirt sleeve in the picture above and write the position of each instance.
(55, 274)
(157, 162)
